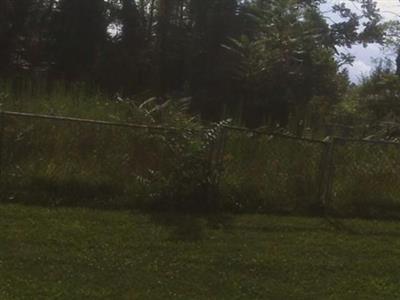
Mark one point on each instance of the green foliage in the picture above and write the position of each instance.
(284, 55)
(379, 94)
(286, 64)
(182, 164)
(170, 168)
(191, 183)
(392, 34)
(373, 104)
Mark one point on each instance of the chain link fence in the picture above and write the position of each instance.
(59, 159)
(264, 172)
(365, 178)
(82, 162)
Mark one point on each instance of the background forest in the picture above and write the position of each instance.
(276, 62)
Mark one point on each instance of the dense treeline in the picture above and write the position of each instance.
(260, 61)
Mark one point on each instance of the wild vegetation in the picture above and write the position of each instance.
(186, 165)
(270, 63)
(225, 114)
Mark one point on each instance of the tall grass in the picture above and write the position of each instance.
(75, 162)
(68, 99)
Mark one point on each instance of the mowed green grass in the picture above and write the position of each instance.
(76, 253)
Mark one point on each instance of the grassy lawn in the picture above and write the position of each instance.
(75, 253)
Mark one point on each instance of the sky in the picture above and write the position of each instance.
(365, 57)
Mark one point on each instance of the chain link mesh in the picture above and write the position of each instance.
(56, 160)
(68, 162)
(271, 173)
(365, 179)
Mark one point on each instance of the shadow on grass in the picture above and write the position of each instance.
(352, 227)
(183, 225)
(191, 227)
(64, 193)
(379, 208)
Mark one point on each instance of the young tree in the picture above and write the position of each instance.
(287, 62)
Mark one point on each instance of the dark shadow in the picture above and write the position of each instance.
(63, 193)
(190, 227)
(183, 225)
(339, 224)
(326, 224)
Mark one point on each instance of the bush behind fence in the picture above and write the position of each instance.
(58, 161)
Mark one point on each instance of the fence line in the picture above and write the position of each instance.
(274, 134)
(366, 141)
(1, 140)
(329, 169)
(88, 121)
(149, 127)
(325, 156)
(168, 128)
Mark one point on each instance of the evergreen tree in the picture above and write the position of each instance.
(80, 32)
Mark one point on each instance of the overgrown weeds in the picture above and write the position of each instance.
(165, 169)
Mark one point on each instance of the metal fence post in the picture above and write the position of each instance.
(322, 175)
(326, 174)
(215, 166)
(220, 162)
(329, 175)
(2, 124)
(221, 148)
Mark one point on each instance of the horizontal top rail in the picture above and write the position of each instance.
(141, 126)
(89, 121)
(377, 142)
(286, 136)
(174, 129)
